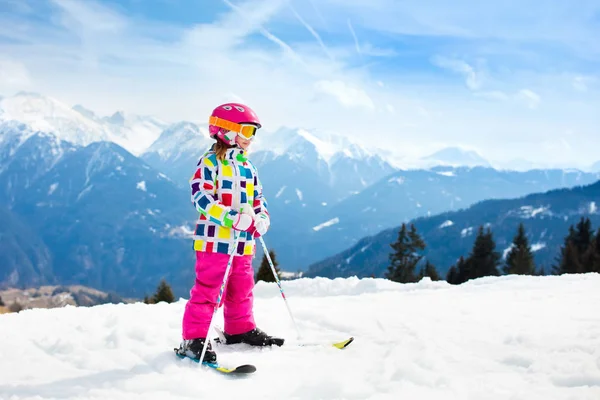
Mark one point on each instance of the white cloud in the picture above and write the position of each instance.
(473, 79)
(582, 83)
(529, 97)
(13, 74)
(346, 94)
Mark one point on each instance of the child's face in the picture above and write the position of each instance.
(243, 143)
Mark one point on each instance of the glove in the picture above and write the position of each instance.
(244, 222)
(261, 224)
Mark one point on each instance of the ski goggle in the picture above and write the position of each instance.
(246, 131)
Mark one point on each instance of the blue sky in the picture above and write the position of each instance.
(511, 79)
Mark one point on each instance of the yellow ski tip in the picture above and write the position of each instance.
(344, 344)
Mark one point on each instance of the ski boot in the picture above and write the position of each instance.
(255, 337)
(193, 349)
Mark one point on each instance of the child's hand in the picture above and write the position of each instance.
(261, 223)
(244, 222)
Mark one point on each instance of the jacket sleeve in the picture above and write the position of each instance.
(260, 202)
(204, 193)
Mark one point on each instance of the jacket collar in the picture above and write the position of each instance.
(234, 153)
(237, 154)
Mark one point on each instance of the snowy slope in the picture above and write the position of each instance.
(533, 338)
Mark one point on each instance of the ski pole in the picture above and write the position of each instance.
(262, 241)
(220, 296)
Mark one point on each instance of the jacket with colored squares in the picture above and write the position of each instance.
(220, 190)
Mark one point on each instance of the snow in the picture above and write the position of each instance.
(399, 180)
(77, 125)
(141, 186)
(530, 212)
(593, 208)
(466, 232)
(537, 246)
(446, 173)
(493, 338)
(331, 222)
(299, 194)
(446, 224)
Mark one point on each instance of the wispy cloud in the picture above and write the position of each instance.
(473, 78)
(521, 73)
(346, 94)
(529, 97)
(312, 32)
(356, 44)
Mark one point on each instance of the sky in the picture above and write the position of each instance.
(513, 80)
(494, 338)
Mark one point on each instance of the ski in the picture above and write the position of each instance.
(239, 370)
(220, 339)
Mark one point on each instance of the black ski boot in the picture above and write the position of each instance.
(255, 337)
(193, 349)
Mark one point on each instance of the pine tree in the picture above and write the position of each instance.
(452, 275)
(2, 302)
(576, 244)
(483, 260)
(163, 293)
(591, 258)
(461, 273)
(264, 271)
(430, 271)
(405, 257)
(520, 258)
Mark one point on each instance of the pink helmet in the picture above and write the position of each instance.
(225, 118)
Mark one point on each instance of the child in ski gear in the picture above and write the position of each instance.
(227, 193)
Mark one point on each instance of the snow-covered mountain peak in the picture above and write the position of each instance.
(180, 138)
(79, 125)
(456, 156)
(329, 146)
(45, 114)
(118, 118)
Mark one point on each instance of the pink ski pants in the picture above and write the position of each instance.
(237, 299)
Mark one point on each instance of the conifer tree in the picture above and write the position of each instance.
(520, 258)
(455, 272)
(264, 271)
(483, 260)
(461, 273)
(163, 293)
(405, 257)
(430, 271)
(570, 260)
(591, 258)
(1, 302)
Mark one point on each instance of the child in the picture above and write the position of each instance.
(228, 195)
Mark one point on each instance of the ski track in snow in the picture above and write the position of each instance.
(533, 338)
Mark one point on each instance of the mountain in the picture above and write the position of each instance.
(491, 339)
(112, 222)
(25, 156)
(94, 215)
(456, 157)
(78, 125)
(24, 257)
(177, 150)
(405, 195)
(595, 167)
(546, 217)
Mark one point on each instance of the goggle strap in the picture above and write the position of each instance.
(223, 123)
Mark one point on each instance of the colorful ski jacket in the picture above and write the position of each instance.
(221, 190)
